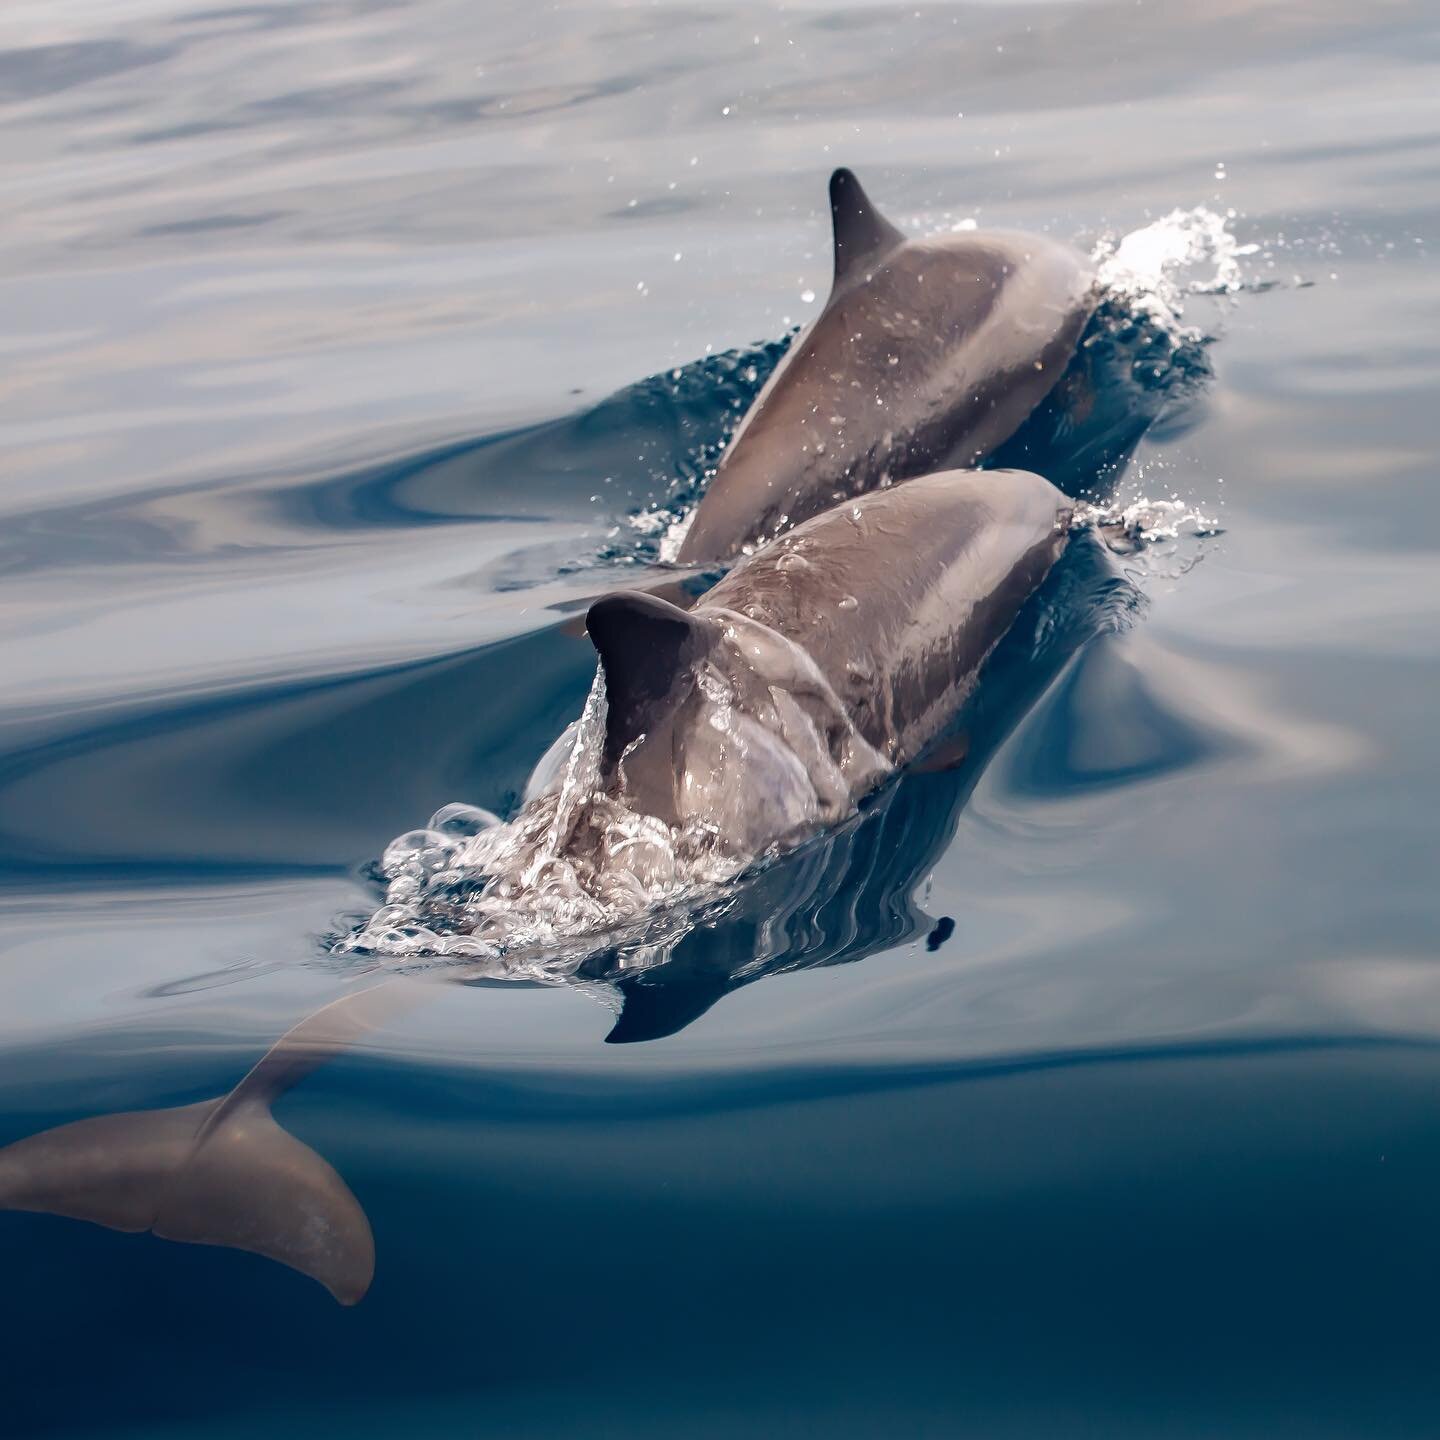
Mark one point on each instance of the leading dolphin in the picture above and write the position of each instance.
(928, 355)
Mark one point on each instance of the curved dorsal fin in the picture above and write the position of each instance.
(646, 646)
(862, 233)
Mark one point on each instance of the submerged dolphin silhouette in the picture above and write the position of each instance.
(220, 1172)
(929, 354)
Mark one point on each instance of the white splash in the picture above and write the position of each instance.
(1143, 521)
(670, 525)
(770, 756)
(1187, 252)
(529, 899)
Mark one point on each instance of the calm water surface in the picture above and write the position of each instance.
(327, 330)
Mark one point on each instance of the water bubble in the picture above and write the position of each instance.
(621, 892)
(408, 940)
(388, 916)
(466, 945)
(531, 898)
(416, 853)
(550, 768)
(792, 562)
(462, 820)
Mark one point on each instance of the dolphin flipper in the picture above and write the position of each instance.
(216, 1173)
(655, 1010)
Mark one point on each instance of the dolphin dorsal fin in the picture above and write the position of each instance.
(647, 646)
(862, 233)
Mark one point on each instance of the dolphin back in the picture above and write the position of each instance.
(928, 355)
(899, 596)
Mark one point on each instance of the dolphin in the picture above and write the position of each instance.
(852, 892)
(825, 661)
(928, 355)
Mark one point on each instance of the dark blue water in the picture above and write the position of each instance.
(1089, 1089)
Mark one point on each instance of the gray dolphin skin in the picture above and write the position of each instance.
(824, 661)
(928, 354)
(220, 1172)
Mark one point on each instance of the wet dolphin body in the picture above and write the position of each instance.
(824, 661)
(928, 355)
(854, 891)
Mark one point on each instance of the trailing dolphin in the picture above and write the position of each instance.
(929, 354)
(822, 662)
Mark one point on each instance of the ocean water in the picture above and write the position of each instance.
(1090, 1089)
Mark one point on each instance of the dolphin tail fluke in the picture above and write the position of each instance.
(221, 1172)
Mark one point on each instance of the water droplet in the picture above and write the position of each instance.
(808, 296)
(792, 562)
(849, 602)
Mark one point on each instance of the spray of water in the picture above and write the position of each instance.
(1187, 252)
(574, 869)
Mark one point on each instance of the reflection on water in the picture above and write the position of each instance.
(322, 333)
